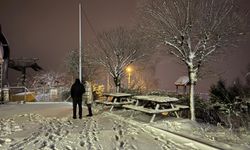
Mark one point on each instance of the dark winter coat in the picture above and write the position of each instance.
(77, 90)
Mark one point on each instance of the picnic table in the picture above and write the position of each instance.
(117, 99)
(158, 105)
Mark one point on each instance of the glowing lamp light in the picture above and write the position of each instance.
(129, 69)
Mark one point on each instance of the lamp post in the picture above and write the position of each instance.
(129, 70)
(108, 87)
(80, 41)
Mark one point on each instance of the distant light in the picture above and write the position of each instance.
(129, 69)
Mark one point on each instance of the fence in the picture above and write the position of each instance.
(58, 94)
(40, 94)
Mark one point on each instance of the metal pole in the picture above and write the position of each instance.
(108, 88)
(129, 79)
(80, 41)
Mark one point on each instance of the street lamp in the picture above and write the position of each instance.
(108, 87)
(129, 70)
(80, 41)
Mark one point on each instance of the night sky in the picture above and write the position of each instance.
(48, 30)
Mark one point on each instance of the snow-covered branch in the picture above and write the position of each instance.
(194, 29)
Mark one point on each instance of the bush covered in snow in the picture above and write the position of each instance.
(231, 103)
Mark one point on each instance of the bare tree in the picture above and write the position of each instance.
(194, 30)
(117, 49)
(72, 63)
(49, 79)
(144, 75)
(90, 70)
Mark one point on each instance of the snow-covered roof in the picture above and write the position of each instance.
(183, 80)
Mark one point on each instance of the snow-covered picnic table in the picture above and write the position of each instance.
(157, 105)
(117, 99)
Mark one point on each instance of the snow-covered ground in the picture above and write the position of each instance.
(50, 126)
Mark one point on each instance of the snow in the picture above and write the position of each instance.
(50, 126)
(183, 80)
(156, 98)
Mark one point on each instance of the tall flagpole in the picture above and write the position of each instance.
(80, 41)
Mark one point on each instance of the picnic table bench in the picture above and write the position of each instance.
(118, 99)
(160, 102)
(148, 110)
(181, 106)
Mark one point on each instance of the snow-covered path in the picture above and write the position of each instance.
(50, 126)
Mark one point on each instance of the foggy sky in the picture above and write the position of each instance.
(48, 30)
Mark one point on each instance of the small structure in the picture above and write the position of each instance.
(4, 61)
(182, 81)
(22, 64)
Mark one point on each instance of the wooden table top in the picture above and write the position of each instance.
(117, 94)
(153, 98)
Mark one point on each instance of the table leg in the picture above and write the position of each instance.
(136, 104)
(175, 111)
(114, 100)
(106, 99)
(153, 117)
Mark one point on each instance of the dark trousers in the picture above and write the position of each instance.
(75, 103)
(89, 109)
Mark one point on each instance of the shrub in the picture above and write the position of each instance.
(228, 102)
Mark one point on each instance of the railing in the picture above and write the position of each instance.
(21, 90)
(40, 94)
(59, 93)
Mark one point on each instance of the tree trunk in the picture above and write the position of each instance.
(117, 89)
(192, 79)
(117, 82)
(191, 98)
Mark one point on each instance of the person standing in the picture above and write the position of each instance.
(76, 91)
(89, 97)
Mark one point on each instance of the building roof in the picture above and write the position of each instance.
(182, 81)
